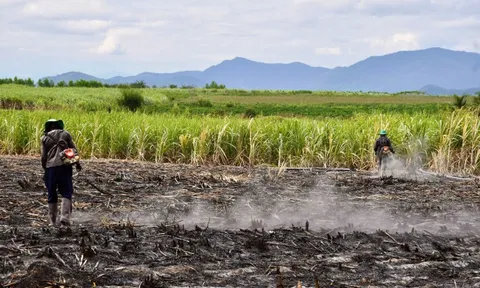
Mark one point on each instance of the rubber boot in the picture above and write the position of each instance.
(66, 212)
(52, 213)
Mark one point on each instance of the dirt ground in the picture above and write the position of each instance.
(165, 225)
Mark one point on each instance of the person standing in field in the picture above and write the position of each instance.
(381, 142)
(59, 154)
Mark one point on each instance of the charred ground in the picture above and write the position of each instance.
(164, 225)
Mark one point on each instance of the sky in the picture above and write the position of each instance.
(105, 38)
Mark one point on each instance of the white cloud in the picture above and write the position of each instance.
(151, 24)
(395, 7)
(396, 42)
(28, 49)
(65, 9)
(328, 51)
(190, 34)
(409, 38)
(470, 45)
(112, 42)
(382, 7)
(110, 45)
(86, 25)
(327, 4)
(468, 22)
(10, 2)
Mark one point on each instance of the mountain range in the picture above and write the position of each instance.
(435, 71)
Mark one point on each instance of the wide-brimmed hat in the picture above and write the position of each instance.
(51, 121)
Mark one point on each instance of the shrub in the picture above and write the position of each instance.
(459, 101)
(203, 103)
(29, 104)
(476, 99)
(301, 92)
(250, 113)
(176, 110)
(215, 85)
(131, 99)
(11, 103)
(219, 112)
(139, 84)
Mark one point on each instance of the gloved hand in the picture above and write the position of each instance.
(78, 167)
(44, 178)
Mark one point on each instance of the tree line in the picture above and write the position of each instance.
(45, 82)
(18, 81)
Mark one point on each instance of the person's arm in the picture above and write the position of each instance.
(375, 147)
(390, 146)
(70, 142)
(44, 154)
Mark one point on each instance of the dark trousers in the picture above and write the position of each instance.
(378, 154)
(59, 180)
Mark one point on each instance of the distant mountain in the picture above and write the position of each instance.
(74, 76)
(395, 72)
(243, 73)
(435, 90)
(162, 79)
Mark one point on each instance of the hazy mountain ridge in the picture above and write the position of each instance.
(435, 90)
(432, 70)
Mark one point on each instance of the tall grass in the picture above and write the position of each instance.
(448, 142)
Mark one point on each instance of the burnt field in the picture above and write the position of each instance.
(141, 224)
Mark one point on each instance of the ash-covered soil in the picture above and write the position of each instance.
(141, 224)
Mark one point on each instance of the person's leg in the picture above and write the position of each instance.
(51, 184)
(379, 159)
(65, 187)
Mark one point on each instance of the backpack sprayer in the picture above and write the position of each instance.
(385, 150)
(69, 156)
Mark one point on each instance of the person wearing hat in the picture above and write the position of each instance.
(382, 141)
(58, 174)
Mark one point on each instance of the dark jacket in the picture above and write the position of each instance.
(382, 141)
(53, 143)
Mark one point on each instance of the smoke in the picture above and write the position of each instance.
(398, 168)
(278, 202)
(323, 206)
(407, 166)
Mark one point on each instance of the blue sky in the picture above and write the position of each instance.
(118, 37)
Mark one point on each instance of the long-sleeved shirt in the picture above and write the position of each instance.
(53, 143)
(382, 141)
